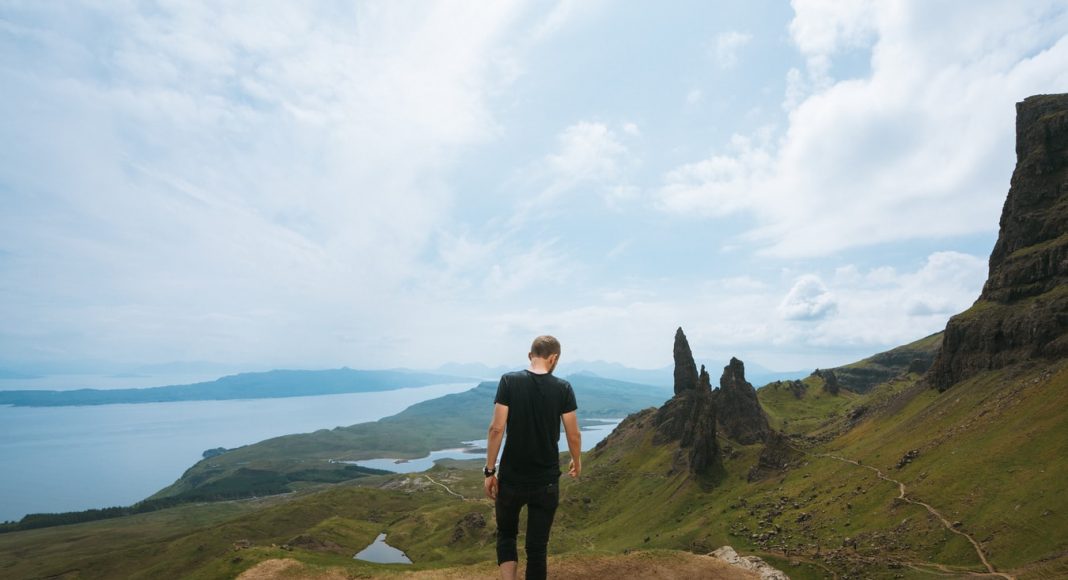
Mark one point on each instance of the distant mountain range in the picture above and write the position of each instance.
(268, 385)
(659, 377)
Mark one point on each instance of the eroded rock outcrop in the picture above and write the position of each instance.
(1022, 313)
(739, 414)
(830, 381)
(690, 416)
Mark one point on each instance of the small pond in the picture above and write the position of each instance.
(380, 552)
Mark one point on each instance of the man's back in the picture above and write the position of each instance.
(535, 403)
(529, 407)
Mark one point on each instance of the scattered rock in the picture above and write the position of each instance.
(908, 457)
(753, 563)
(470, 525)
(776, 457)
(313, 544)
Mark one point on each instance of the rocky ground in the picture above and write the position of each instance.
(653, 565)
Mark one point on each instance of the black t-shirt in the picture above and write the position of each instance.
(535, 403)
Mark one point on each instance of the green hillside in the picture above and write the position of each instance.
(990, 454)
(442, 423)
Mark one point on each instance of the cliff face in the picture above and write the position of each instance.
(1022, 312)
(863, 376)
(739, 414)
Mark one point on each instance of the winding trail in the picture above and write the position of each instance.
(432, 480)
(949, 526)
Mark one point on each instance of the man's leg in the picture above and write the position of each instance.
(540, 512)
(507, 509)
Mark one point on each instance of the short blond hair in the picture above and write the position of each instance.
(545, 346)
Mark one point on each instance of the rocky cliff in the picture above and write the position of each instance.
(739, 414)
(1022, 312)
(862, 376)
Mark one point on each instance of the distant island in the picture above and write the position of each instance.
(264, 385)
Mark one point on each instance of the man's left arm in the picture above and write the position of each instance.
(493, 445)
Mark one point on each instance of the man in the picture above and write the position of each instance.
(530, 405)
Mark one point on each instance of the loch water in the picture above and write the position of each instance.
(58, 459)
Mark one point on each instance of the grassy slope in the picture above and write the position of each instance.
(436, 424)
(992, 455)
(792, 414)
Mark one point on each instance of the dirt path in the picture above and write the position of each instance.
(432, 480)
(949, 526)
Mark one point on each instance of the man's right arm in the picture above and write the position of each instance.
(493, 445)
(574, 443)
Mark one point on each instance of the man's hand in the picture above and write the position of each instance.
(574, 469)
(491, 487)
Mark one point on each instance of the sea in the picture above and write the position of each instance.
(59, 459)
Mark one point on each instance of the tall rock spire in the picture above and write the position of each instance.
(690, 416)
(685, 367)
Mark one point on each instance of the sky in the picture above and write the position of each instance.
(403, 184)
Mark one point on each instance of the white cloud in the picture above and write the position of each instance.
(587, 152)
(808, 299)
(919, 148)
(589, 156)
(727, 46)
(882, 306)
(822, 28)
(563, 13)
(694, 96)
(716, 186)
(258, 179)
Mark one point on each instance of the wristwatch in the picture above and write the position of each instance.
(489, 472)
